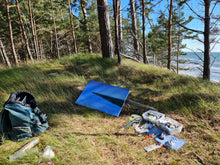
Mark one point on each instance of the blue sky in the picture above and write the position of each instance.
(195, 24)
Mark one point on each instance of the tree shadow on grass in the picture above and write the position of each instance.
(102, 134)
(70, 94)
(100, 68)
(88, 69)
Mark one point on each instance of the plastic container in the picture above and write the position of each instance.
(48, 153)
(28, 148)
(170, 126)
(153, 147)
(46, 156)
(143, 128)
(152, 116)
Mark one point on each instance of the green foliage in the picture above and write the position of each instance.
(42, 15)
(158, 37)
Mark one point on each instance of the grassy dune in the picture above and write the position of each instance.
(79, 135)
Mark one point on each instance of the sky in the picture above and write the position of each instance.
(195, 24)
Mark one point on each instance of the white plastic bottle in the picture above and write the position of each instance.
(28, 148)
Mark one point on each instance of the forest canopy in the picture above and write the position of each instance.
(33, 30)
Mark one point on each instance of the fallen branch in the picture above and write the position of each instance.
(199, 158)
(131, 58)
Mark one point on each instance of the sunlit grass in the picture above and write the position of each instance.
(79, 135)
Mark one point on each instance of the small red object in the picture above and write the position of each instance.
(148, 137)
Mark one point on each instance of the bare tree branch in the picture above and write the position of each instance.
(215, 44)
(194, 11)
(218, 1)
(11, 6)
(195, 53)
(213, 61)
(131, 58)
(200, 40)
(193, 30)
(148, 18)
(76, 17)
(137, 39)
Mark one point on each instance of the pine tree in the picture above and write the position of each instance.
(104, 27)
(134, 27)
(159, 33)
(4, 55)
(11, 32)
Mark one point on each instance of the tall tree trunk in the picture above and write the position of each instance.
(178, 52)
(41, 48)
(51, 44)
(206, 64)
(72, 27)
(116, 17)
(68, 44)
(24, 33)
(120, 31)
(66, 39)
(11, 34)
(55, 30)
(83, 6)
(170, 35)
(134, 27)
(178, 44)
(105, 30)
(5, 57)
(33, 29)
(2, 53)
(143, 31)
(36, 37)
(22, 53)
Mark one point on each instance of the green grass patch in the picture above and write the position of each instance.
(79, 135)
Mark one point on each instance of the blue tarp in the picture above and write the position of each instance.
(103, 97)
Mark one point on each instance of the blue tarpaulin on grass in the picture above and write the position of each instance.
(103, 97)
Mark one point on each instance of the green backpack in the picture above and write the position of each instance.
(21, 119)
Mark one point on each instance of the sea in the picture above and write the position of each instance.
(193, 65)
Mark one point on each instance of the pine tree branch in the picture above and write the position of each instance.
(76, 17)
(11, 6)
(148, 18)
(217, 1)
(137, 39)
(62, 4)
(194, 12)
(193, 30)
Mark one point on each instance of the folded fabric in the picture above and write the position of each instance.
(171, 141)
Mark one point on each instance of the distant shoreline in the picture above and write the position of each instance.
(193, 63)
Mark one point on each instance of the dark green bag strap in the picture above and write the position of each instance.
(4, 122)
(2, 140)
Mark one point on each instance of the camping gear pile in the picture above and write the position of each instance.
(110, 99)
(157, 125)
(21, 119)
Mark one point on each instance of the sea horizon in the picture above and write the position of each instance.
(193, 65)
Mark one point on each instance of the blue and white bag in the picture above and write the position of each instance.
(21, 119)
